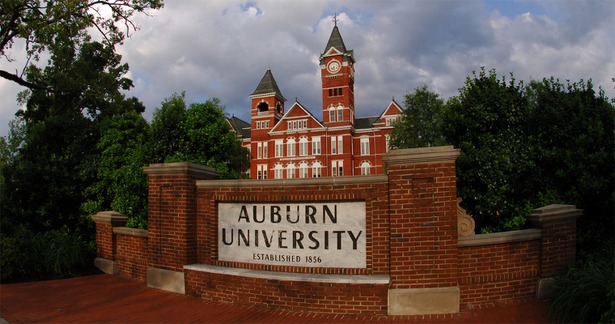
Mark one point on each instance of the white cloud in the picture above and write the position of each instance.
(222, 48)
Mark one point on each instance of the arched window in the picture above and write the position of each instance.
(263, 107)
(290, 147)
(303, 170)
(278, 171)
(316, 169)
(290, 171)
(366, 168)
(303, 146)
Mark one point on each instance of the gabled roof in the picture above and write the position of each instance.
(292, 111)
(240, 127)
(368, 122)
(267, 86)
(392, 109)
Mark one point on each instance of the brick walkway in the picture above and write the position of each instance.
(106, 298)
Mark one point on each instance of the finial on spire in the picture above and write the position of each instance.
(335, 19)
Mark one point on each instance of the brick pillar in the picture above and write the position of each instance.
(172, 221)
(558, 225)
(423, 221)
(105, 239)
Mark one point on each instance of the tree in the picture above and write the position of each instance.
(167, 137)
(420, 125)
(56, 160)
(42, 24)
(526, 146)
(121, 184)
(573, 129)
(487, 122)
(199, 134)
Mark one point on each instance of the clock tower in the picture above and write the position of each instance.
(337, 74)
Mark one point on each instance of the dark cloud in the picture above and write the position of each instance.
(222, 48)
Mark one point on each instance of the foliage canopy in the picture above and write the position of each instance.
(44, 24)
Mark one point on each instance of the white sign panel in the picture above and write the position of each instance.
(330, 234)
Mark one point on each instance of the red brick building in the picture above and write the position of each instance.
(293, 143)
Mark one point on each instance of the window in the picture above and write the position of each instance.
(265, 147)
(364, 145)
(279, 148)
(259, 150)
(337, 168)
(334, 92)
(365, 168)
(278, 171)
(316, 145)
(337, 145)
(290, 171)
(316, 167)
(261, 171)
(296, 124)
(390, 121)
(332, 115)
(290, 147)
(263, 107)
(387, 138)
(303, 146)
(340, 113)
(303, 170)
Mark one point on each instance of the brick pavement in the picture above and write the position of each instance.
(112, 299)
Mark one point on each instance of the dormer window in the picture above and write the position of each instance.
(391, 120)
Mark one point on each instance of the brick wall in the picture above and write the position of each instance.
(297, 296)
(423, 225)
(132, 259)
(496, 272)
(172, 213)
(411, 233)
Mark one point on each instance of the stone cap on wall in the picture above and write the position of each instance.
(130, 231)
(422, 155)
(182, 168)
(110, 217)
(555, 213)
(501, 237)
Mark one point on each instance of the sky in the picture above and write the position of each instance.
(222, 48)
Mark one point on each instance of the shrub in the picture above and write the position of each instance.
(25, 255)
(584, 292)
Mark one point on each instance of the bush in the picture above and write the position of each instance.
(584, 292)
(26, 255)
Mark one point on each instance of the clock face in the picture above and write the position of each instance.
(333, 66)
